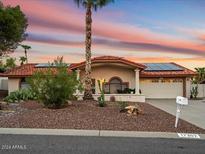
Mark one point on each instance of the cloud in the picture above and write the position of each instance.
(202, 37)
(117, 45)
(49, 20)
(147, 47)
(52, 41)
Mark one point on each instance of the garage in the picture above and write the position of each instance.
(161, 88)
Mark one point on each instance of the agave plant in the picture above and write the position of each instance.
(101, 99)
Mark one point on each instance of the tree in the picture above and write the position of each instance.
(22, 60)
(26, 47)
(89, 5)
(13, 24)
(1, 4)
(10, 63)
(200, 74)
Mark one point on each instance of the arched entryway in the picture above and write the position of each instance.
(115, 86)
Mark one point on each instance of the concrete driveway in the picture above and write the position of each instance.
(193, 113)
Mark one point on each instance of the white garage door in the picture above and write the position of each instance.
(161, 89)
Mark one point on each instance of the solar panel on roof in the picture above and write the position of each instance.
(162, 67)
(45, 65)
(42, 65)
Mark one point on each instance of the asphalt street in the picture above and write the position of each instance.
(53, 144)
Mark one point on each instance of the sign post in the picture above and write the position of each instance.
(180, 101)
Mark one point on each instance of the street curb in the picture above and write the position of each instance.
(101, 133)
(138, 134)
(36, 131)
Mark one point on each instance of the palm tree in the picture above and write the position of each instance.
(26, 47)
(200, 74)
(89, 5)
(22, 60)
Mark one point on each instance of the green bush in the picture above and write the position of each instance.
(194, 92)
(2, 69)
(20, 95)
(101, 101)
(54, 86)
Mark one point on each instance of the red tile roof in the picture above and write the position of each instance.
(25, 70)
(110, 59)
(28, 69)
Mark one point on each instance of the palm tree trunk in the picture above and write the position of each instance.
(88, 41)
(26, 56)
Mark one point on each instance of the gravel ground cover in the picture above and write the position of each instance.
(87, 115)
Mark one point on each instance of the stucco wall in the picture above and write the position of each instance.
(119, 97)
(188, 87)
(107, 72)
(13, 84)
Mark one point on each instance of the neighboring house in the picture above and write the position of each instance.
(3, 82)
(125, 80)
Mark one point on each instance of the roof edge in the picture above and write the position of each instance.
(115, 59)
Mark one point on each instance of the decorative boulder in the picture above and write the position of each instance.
(69, 102)
(132, 110)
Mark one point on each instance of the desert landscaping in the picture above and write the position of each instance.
(88, 115)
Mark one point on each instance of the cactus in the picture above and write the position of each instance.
(101, 99)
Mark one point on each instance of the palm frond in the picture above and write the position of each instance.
(25, 46)
(94, 3)
(81, 2)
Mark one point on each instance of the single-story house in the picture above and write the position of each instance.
(125, 80)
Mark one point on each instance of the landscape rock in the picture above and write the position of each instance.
(86, 115)
(132, 110)
(69, 102)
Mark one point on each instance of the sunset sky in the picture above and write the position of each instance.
(140, 30)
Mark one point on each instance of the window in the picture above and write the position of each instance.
(106, 88)
(115, 85)
(24, 84)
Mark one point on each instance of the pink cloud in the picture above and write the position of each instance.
(55, 16)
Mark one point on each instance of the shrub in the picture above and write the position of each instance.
(54, 87)
(194, 92)
(20, 95)
(2, 69)
(101, 101)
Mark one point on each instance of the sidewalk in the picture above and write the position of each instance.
(101, 133)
